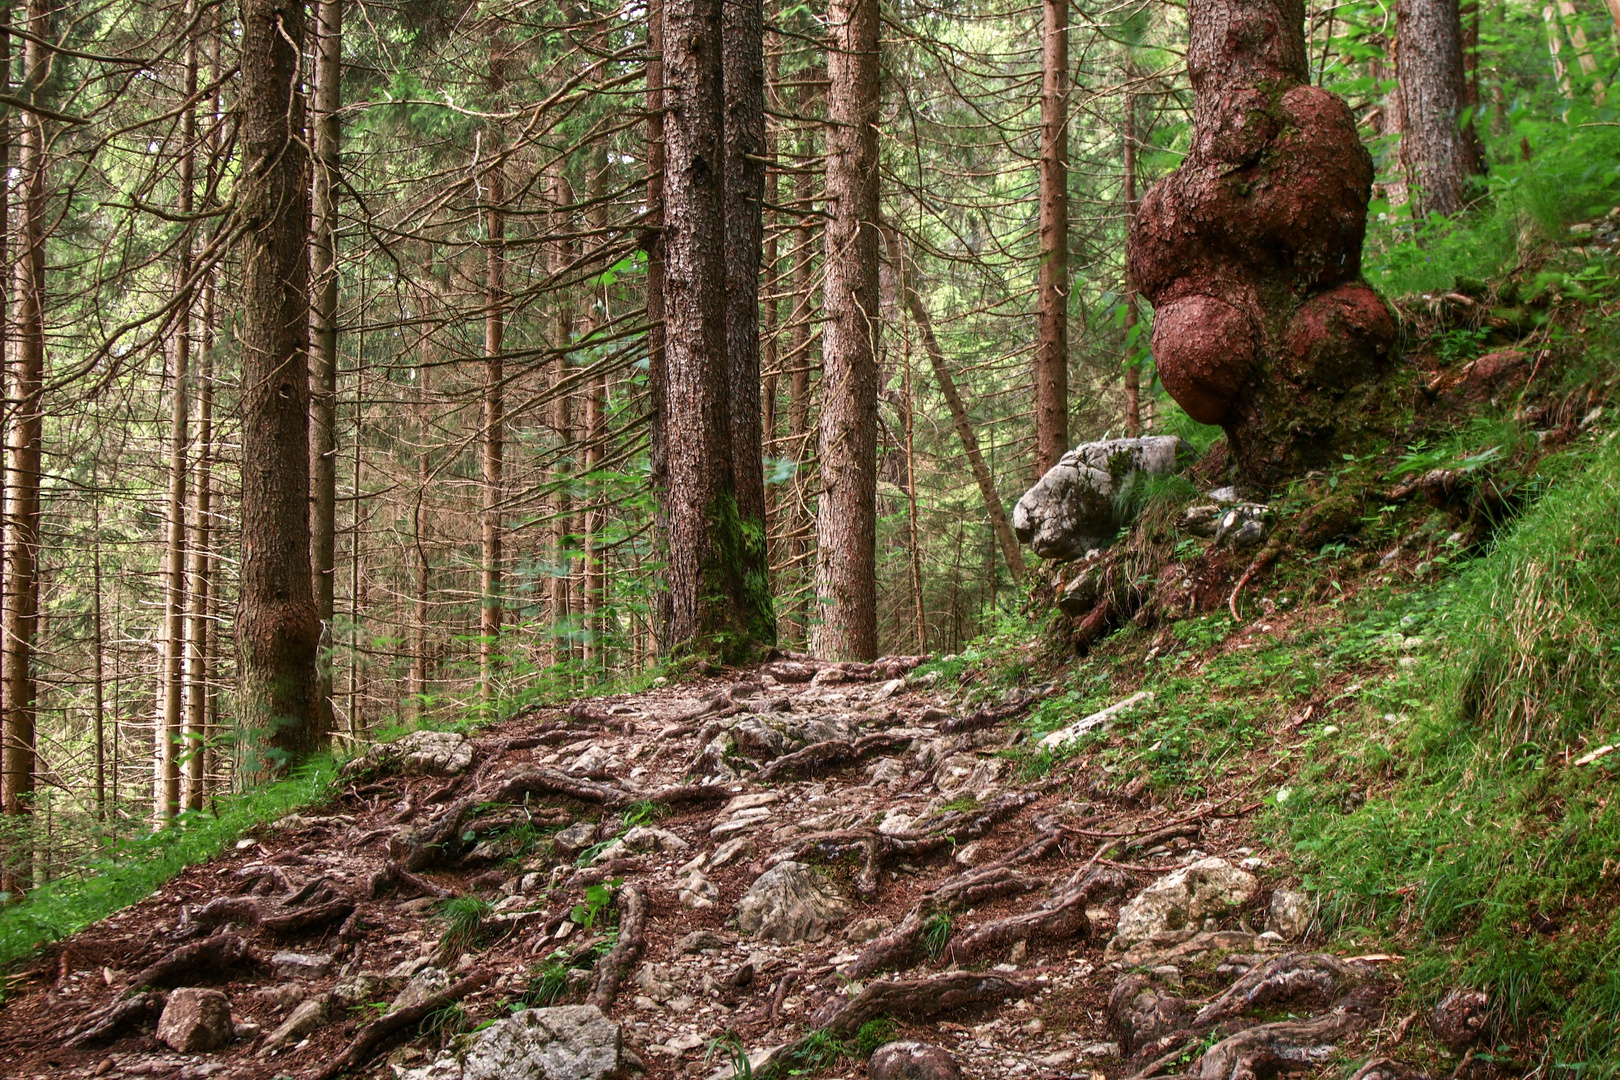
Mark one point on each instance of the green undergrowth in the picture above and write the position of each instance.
(1488, 844)
(128, 870)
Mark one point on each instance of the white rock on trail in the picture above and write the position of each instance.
(1208, 887)
(788, 903)
(1290, 914)
(566, 1042)
(1062, 737)
(421, 753)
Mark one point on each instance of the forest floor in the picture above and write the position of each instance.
(934, 848)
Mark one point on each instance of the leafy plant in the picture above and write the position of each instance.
(598, 898)
(644, 812)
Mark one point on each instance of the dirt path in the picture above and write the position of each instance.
(882, 831)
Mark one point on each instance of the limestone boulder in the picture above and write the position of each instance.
(565, 1042)
(789, 902)
(196, 1021)
(1074, 509)
(1182, 899)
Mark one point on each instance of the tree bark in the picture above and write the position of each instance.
(25, 435)
(277, 631)
(707, 605)
(1133, 370)
(168, 730)
(595, 570)
(562, 422)
(846, 524)
(1052, 319)
(1250, 252)
(323, 339)
(200, 587)
(494, 428)
(661, 613)
(915, 304)
(743, 63)
(1438, 152)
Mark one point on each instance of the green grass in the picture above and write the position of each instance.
(1488, 853)
(131, 870)
(463, 924)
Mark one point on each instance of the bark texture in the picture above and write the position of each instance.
(743, 65)
(846, 525)
(1052, 317)
(277, 631)
(1251, 251)
(1438, 152)
(700, 505)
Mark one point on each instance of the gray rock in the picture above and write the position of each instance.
(912, 1061)
(576, 838)
(423, 985)
(311, 1016)
(1081, 592)
(1200, 520)
(1072, 509)
(787, 903)
(1182, 899)
(699, 940)
(734, 850)
(1243, 526)
(1461, 1017)
(1290, 914)
(647, 838)
(291, 965)
(421, 753)
(565, 1042)
(867, 929)
(196, 1021)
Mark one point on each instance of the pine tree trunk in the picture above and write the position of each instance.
(277, 631)
(562, 423)
(25, 434)
(706, 602)
(846, 524)
(1052, 319)
(660, 614)
(800, 362)
(1133, 368)
(323, 338)
(1439, 153)
(418, 684)
(494, 425)
(200, 587)
(595, 574)
(744, 137)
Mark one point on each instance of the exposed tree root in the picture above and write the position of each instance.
(1292, 977)
(395, 876)
(980, 719)
(374, 1035)
(209, 954)
(143, 1009)
(1261, 1052)
(297, 919)
(831, 754)
(1062, 918)
(918, 999)
(613, 968)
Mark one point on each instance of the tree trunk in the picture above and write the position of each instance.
(1250, 252)
(915, 304)
(1052, 320)
(595, 574)
(707, 605)
(25, 435)
(200, 587)
(323, 338)
(277, 631)
(1133, 368)
(417, 686)
(744, 137)
(1438, 152)
(562, 422)
(494, 424)
(800, 362)
(846, 525)
(660, 605)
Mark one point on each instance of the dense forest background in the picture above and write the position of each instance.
(481, 220)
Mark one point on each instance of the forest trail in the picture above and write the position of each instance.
(885, 857)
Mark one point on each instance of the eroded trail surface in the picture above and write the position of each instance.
(807, 861)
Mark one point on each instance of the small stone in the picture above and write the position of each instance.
(1018, 953)
(291, 965)
(1166, 975)
(576, 838)
(970, 854)
(699, 940)
(646, 838)
(1034, 1027)
(307, 1018)
(737, 849)
(423, 985)
(1100, 1050)
(196, 1021)
(1289, 914)
(912, 1061)
(868, 929)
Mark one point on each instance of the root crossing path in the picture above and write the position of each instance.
(798, 864)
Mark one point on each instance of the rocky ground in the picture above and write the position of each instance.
(827, 868)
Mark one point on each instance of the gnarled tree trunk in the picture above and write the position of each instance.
(1251, 251)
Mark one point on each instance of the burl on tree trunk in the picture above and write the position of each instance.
(1251, 250)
